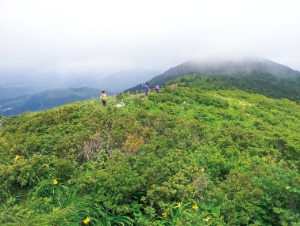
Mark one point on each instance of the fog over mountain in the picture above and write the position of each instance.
(240, 67)
(13, 85)
(82, 43)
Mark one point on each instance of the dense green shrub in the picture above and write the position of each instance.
(184, 156)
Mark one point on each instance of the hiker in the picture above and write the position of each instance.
(103, 98)
(146, 89)
(157, 89)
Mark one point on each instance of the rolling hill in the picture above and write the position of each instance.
(259, 76)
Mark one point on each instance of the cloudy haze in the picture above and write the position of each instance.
(77, 37)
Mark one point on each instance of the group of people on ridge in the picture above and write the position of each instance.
(147, 89)
(146, 92)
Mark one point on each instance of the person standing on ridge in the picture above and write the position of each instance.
(103, 98)
(157, 89)
(146, 89)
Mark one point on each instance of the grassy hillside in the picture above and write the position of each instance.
(181, 157)
(258, 83)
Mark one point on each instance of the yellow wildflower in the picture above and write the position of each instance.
(55, 182)
(17, 157)
(164, 214)
(153, 185)
(195, 207)
(206, 219)
(86, 220)
(178, 205)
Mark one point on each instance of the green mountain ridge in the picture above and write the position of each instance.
(259, 76)
(185, 156)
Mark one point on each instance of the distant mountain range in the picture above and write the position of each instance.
(46, 99)
(252, 75)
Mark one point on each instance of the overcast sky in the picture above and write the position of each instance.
(83, 36)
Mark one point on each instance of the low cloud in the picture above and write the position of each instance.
(79, 37)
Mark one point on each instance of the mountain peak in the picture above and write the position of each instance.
(251, 74)
(234, 66)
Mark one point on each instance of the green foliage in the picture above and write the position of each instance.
(184, 156)
(238, 198)
(258, 81)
